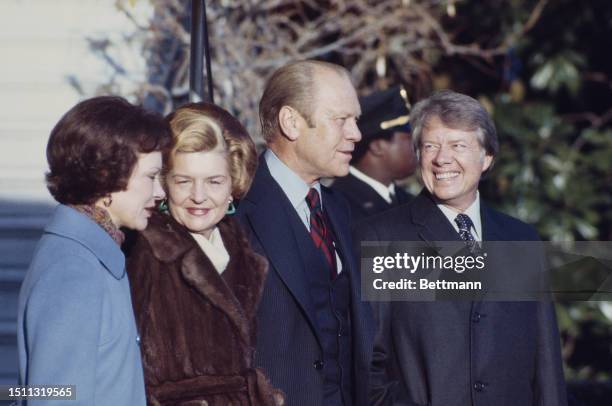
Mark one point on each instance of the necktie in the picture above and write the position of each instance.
(465, 225)
(393, 198)
(320, 231)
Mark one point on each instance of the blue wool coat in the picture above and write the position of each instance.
(75, 322)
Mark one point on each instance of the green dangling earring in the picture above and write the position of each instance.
(163, 206)
(231, 209)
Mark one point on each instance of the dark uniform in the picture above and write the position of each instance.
(364, 200)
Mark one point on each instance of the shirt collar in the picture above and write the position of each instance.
(384, 191)
(293, 186)
(473, 211)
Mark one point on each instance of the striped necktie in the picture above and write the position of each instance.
(320, 231)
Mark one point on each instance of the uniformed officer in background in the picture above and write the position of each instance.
(383, 156)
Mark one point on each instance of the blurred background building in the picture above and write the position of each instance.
(53, 54)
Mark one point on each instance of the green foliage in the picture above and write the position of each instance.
(551, 173)
(560, 71)
(558, 176)
(587, 344)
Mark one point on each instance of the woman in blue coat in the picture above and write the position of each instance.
(75, 323)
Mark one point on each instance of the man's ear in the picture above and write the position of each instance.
(487, 161)
(290, 120)
(378, 147)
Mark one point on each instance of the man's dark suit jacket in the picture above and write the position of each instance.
(364, 200)
(288, 342)
(458, 353)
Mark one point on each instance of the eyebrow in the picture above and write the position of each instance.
(449, 141)
(178, 175)
(342, 113)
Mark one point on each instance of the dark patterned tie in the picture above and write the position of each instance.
(320, 231)
(465, 226)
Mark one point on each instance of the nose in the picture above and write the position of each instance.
(352, 132)
(158, 190)
(443, 156)
(198, 194)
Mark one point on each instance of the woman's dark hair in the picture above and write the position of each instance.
(93, 149)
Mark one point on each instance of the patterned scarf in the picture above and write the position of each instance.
(101, 217)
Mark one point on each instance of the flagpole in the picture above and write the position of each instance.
(200, 52)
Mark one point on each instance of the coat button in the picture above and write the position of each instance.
(477, 316)
(318, 364)
(479, 386)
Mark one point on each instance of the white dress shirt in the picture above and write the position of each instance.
(296, 190)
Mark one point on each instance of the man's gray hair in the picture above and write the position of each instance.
(457, 111)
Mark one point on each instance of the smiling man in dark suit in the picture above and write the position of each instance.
(384, 155)
(457, 353)
(314, 334)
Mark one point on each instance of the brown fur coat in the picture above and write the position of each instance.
(197, 328)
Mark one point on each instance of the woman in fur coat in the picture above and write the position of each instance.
(195, 281)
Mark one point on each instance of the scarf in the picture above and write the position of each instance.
(101, 217)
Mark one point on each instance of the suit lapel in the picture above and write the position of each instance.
(335, 216)
(270, 219)
(434, 225)
(491, 231)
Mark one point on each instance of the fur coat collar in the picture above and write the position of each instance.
(246, 271)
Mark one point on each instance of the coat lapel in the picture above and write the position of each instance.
(439, 234)
(170, 241)
(490, 229)
(269, 220)
(199, 272)
(434, 226)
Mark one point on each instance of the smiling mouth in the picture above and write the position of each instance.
(446, 175)
(198, 212)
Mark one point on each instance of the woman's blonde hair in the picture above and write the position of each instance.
(200, 127)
